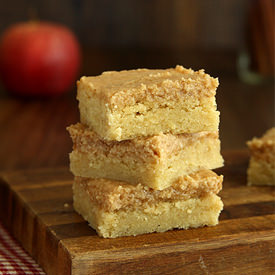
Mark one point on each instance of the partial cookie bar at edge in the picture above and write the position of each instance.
(261, 170)
(128, 104)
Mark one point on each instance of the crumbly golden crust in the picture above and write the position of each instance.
(112, 195)
(154, 147)
(127, 88)
(264, 148)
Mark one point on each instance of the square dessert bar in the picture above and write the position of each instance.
(128, 104)
(155, 161)
(261, 170)
(115, 208)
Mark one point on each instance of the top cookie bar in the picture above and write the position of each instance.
(128, 104)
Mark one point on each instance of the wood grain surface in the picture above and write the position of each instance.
(37, 207)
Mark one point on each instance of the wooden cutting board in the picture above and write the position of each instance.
(37, 207)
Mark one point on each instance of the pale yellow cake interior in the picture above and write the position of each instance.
(260, 172)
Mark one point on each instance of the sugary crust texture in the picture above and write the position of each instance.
(261, 170)
(154, 147)
(127, 88)
(264, 148)
(112, 195)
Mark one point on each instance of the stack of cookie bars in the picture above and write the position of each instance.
(143, 152)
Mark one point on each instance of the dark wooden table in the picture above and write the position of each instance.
(32, 131)
(37, 208)
(33, 135)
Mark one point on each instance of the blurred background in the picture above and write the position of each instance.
(232, 40)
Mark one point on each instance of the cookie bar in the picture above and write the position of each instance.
(261, 170)
(155, 161)
(128, 104)
(115, 208)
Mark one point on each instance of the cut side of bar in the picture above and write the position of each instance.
(261, 170)
(155, 161)
(117, 209)
(130, 104)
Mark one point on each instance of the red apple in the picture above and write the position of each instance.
(38, 58)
